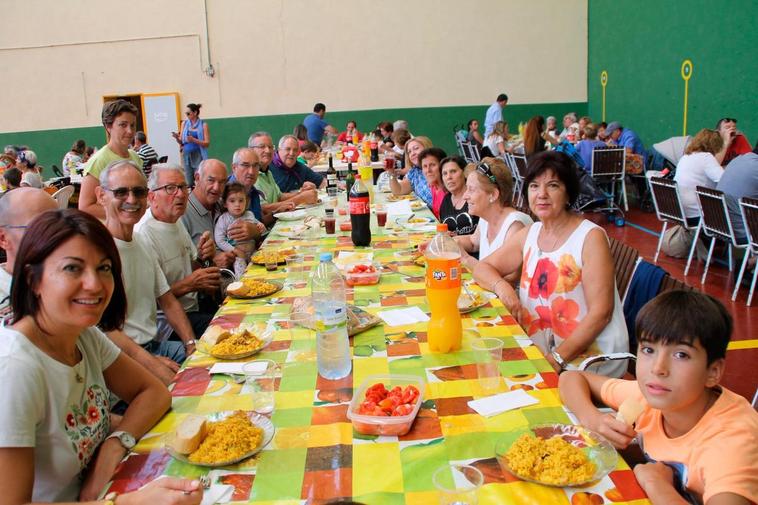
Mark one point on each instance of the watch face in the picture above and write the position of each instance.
(127, 440)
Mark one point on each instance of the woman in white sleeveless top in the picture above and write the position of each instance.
(489, 189)
(567, 302)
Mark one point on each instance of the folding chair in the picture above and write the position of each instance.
(608, 168)
(470, 152)
(508, 157)
(518, 170)
(715, 224)
(749, 211)
(668, 207)
(625, 259)
(63, 195)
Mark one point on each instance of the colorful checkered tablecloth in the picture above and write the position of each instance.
(315, 456)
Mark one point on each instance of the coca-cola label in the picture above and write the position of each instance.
(359, 205)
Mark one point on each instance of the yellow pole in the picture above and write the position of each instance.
(686, 74)
(603, 83)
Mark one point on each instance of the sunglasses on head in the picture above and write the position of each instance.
(139, 192)
(484, 169)
(727, 120)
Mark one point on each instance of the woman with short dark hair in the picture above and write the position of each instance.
(567, 300)
(57, 368)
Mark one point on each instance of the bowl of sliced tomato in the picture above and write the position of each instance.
(386, 404)
(361, 274)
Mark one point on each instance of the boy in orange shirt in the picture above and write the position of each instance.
(700, 438)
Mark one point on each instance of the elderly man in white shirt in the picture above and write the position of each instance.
(161, 228)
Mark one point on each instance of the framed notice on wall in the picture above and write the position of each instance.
(160, 113)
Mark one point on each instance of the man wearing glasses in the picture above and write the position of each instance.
(123, 195)
(290, 174)
(273, 199)
(17, 209)
(735, 142)
(245, 170)
(170, 242)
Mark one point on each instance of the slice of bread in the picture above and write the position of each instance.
(629, 410)
(237, 289)
(189, 434)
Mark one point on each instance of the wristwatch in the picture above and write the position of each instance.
(558, 359)
(189, 342)
(125, 439)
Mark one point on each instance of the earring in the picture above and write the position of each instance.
(492, 201)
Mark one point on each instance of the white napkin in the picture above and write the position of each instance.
(401, 208)
(497, 404)
(217, 493)
(236, 368)
(523, 341)
(400, 317)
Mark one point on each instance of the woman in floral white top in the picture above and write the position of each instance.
(567, 300)
(56, 369)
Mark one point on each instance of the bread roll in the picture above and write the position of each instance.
(629, 410)
(213, 333)
(237, 289)
(189, 434)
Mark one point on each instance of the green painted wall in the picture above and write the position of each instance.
(642, 44)
(227, 134)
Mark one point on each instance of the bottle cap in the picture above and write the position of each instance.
(325, 256)
(441, 227)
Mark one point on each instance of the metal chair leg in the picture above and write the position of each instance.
(731, 258)
(660, 242)
(623, 194)
(752, 286)
(692, 250)
(742, 272)
(708, 260)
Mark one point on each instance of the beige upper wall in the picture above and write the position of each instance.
(281, 56)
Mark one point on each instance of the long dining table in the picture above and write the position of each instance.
(315, 455)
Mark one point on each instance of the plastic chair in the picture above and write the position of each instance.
(668, 207)
(749, 211)
(609, 168)
(57, 171)
(715, 224)
(63, 195)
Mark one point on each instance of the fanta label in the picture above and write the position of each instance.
(443, 273)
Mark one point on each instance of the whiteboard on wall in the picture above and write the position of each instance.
(160, 113)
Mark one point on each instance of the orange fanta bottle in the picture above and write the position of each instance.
(443, 286)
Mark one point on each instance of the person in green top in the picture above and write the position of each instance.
(119, 119)
(273, 200)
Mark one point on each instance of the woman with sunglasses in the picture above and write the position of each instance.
(57, 370)
(567, 300)
(194, 139)
(119, 119)
(489, 191)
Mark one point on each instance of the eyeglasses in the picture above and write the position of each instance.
(484, 169)
(14, 226)
(139, 192)
(245, 164)
(170, 189)
(263, 146)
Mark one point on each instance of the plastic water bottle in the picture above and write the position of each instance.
(332, 344)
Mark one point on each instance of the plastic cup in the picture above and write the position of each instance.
(295, 272)
(381, 215)
(488, 353)
(330, 221)
(332, 192)
(259, 383)
(458, 484)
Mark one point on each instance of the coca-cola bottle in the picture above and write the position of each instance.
(360, 213)
(331, 174)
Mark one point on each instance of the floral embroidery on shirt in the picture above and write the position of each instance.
(88, 424)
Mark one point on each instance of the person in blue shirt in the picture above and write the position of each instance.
(495, 113)
(589, 144)
(316, 125)
(289, 174)
(625, 137)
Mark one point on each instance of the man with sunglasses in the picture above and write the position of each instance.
(123, 195)
(17, 209)
(735, 142)
(178, 257)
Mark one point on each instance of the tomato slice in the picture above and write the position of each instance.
(410, 394)
(402, 410)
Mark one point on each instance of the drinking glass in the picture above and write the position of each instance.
(488, 352)
(259, 382)
(458, 484)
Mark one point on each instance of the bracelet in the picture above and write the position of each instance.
(189, 342)
(494, 286)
